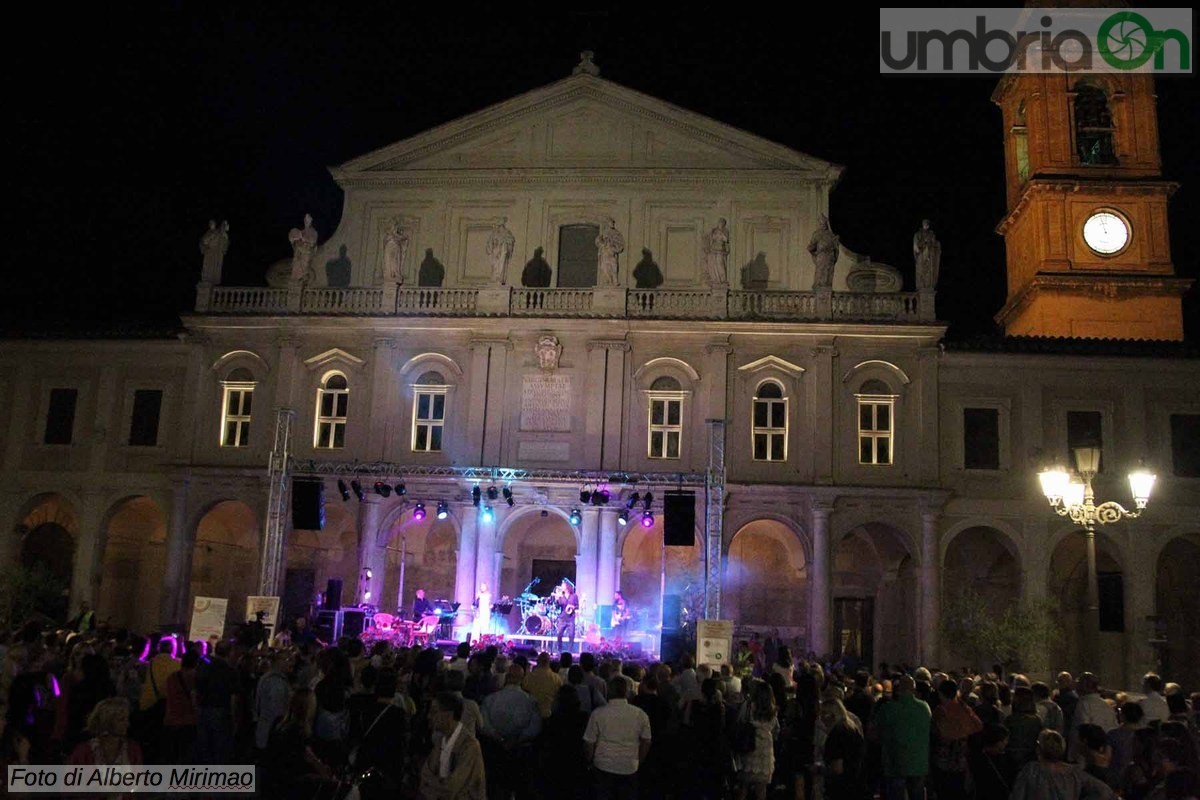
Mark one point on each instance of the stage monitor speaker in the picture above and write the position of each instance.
(333, 594)
(672, 610)
(308, 505)
(328, 626)
(679, 519)
(354, 621)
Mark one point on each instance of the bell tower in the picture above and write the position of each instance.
(1086, 229)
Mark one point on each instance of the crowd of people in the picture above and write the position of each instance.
(387, 721)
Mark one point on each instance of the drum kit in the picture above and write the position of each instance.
(538, 614)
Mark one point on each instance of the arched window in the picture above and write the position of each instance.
(1021, 144)
(236, 406)
(666, 418)
(1093, 126)
(768, 432)
(333, 398)
(429, 412)
(876, 432)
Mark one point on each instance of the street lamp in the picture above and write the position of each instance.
(1073, 497)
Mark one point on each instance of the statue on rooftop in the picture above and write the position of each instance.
(500, 246)
(716, 255)
(304, 246)
(824, 249)
(927, 252)
(213, 246)
(609, 244)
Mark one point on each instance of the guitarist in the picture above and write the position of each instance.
(568, 601)
(620, 615)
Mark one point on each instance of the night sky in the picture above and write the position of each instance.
(130, 130)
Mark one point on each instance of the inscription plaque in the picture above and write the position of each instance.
(544, 451)
(546, 403)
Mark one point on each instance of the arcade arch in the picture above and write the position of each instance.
(132, 564)
(225, 557)
(766, 578)
(874, 596)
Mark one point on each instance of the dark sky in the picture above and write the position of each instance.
(130, 129)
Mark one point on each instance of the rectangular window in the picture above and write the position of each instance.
(235, 430)
(875, 430)
(429, 418)
(770, 429)
(143, 427)
(1185, 445)
(666, 427)
(1084, 429)
(332, 407)
(60, 416)
(981, 438)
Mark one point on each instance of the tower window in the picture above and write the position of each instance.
(1093, 126)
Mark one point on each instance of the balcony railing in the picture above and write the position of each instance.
(779, 306)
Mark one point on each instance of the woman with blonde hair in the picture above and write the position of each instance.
(843, 752)
(110, 744)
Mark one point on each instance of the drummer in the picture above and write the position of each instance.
(421, 606)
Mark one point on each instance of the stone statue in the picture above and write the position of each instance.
(547, 350)
(609, 244)
(304, 246)
(395, 247)
(716, 255)
(213, 246)
(824, 248)
(586, 65)
(927, 252)
(500, 249)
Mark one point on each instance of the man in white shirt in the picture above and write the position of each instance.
(1091, 710)
(616, 741)
(1154, 705)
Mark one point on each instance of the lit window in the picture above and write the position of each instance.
(332, 402)
(429, 413)
(666, 418)
(235, 414)
(875, 424)
(1093, 126)
(769, 431)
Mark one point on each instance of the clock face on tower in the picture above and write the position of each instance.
(1106, 233)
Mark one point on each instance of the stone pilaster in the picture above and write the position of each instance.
(606, 564)
(820, 582)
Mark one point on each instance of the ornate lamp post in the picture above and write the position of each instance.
(1070, 497)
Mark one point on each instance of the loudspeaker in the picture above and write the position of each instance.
(308, 505)
(672, 608)
(679, 519)
(354, 621)
(672, 649)
(333, 594)
(328, 626)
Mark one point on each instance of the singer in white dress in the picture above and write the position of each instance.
(483, 613)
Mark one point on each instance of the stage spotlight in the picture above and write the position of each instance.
(623, 517)
(600, 497)
(585, 496)
(368, 573)
(475, 493)
(647, 520)
(382, 489)
(443, 510)
(633, 500)
(401, 489)
(647, 501)
(343, 489)
(508, 497)
(488, 514)
(492, 493)
(358, 492)
(576, 516)
(419, 511)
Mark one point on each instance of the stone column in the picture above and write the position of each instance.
(586, 562)
(606, 564)
(177, 565)
(931, 587)
(486, 534)
(371, 554)
(820, 582)
(465, 563)
(89, 547)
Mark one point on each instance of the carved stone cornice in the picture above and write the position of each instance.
(1071, 185)
(1098, 284)
(722, 347)
(545, 176)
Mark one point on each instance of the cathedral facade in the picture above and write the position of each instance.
(535, 322)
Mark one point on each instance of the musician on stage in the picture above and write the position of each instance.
(568, 601)
(421, 606)
(620, 615)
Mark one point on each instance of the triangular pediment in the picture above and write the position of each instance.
(773, 362)
(333, 357)
(584, 122)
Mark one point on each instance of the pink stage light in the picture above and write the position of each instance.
(419, 511)
(647, 520)
(54, 685)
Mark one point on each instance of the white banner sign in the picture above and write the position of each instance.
(208, 618)
(714, 641)
(268, 605)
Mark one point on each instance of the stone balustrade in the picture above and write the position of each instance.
(765, 305)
